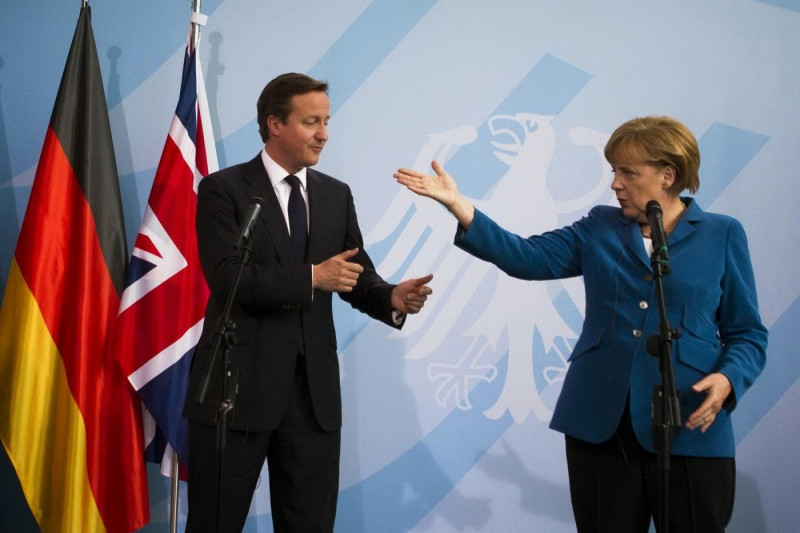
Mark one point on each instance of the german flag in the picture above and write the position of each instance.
(69, 420)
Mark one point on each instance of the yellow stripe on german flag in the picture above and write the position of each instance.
(43, 430)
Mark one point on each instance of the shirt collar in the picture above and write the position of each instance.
(277, 173)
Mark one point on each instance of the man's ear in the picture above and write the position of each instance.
(274, 123)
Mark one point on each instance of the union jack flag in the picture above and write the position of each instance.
(161, 310)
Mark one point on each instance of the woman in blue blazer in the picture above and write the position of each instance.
(605, 406)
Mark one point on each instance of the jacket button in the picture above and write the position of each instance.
(637, 333)
(643, 304)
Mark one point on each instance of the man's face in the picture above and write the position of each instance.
(298, 143)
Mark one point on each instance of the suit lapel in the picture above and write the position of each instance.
(317, 215)
(271, 219)
(685, 227)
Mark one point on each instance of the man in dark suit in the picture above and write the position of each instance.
(287, 406)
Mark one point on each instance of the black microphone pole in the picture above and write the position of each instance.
(666, 410)
(225, 340)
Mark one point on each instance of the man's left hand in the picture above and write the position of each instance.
(409, 296)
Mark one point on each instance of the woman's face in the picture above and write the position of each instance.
(635, 184)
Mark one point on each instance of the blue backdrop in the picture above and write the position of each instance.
(445, 423)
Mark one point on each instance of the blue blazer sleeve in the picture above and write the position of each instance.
(743, 336)
(553, 255)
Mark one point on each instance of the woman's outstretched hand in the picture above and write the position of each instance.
(441, 188)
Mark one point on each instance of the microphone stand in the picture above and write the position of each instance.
(666, 410)
(225, 341)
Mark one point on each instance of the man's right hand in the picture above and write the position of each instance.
(337, 274)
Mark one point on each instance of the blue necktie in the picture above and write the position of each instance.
(298, 220)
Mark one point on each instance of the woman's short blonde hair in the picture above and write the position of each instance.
(661, 142)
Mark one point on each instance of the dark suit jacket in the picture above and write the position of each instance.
(275, 295)
(710, 296)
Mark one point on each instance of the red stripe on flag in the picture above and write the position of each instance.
(201, 161)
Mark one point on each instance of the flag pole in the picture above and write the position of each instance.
(175, 473)
(173, 501)
(195, 25)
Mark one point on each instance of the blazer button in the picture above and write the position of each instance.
(637, 333)
(643, 304)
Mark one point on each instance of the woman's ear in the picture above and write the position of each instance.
(667, 178)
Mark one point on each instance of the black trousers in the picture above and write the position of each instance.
(303, 464)
(615, 487)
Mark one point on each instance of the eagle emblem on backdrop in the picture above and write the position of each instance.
(516, 317)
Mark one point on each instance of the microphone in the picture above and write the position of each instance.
(655, 217)
(248, 222)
